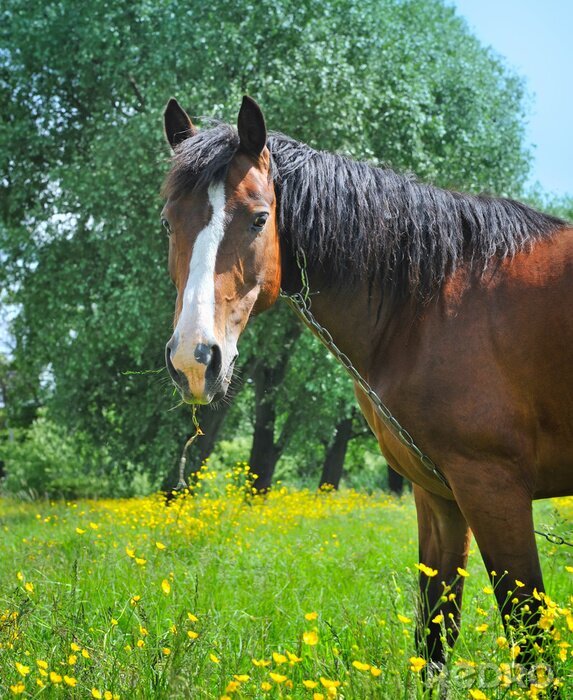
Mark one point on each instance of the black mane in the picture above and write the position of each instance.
(357, 221)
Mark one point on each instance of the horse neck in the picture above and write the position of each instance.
(361, 321)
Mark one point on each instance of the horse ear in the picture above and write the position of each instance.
(251, 126)
(178, 125)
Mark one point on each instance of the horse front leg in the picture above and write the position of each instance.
(498, 508)
(444, 539)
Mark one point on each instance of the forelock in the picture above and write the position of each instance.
(201, 159)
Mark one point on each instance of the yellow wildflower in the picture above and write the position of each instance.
(375, 671)
(18, 688)
(165, 587)
(41, 663)
(74, 646)
(232, 687)
(191, 634)
(438, 619)
(405, 620)
(140, 561)
(214, 659)
(160, 545)
(29, 586)
(361, 666)
(310, 684)
(277, 677)
(265, 685)
(242, 678)
(427, 570)
(476, 694)
(260, 662)
(310, 638)
(310, 616)
(166, 651)
(55, 677)
(462, 572)
(293, 658)
(279, 658)
(69, 680)
(328, 683)
(80, 531)
(482, 628)
(22, 670)
(192, 617)
(416, 663)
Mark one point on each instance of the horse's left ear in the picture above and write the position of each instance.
(177, 123)
(252, 129)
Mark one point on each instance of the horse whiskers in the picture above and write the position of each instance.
(178, 405)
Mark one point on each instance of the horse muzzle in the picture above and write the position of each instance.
(196, 369)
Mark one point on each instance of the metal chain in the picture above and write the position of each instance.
(300, 302)
(553, 538)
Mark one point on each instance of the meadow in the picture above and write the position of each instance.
(295, 595)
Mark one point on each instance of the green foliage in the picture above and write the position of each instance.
(46, 460)
(82, 158)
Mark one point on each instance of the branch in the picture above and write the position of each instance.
(137, 92)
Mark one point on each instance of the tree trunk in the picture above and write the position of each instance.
(264, 451)
(395, 482)
(335, 454)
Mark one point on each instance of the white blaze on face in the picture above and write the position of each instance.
(196, 323)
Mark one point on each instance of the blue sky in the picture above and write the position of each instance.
(536, 39)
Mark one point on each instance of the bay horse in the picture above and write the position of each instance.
(455, 310)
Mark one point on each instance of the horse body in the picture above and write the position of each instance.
(477, 367)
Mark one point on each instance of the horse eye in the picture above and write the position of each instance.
(166, 226)
(260, 221)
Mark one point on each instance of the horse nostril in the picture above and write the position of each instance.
(203, 354)
(173, 373)
(215, 362)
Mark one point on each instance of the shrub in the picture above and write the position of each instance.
(45, 460)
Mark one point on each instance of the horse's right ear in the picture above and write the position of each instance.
(178, 124)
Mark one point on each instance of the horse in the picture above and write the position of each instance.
(453, 309)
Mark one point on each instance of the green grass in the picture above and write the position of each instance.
(249, 572)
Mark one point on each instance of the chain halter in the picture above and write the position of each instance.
(300, 302)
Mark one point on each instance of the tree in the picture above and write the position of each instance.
(82, 157)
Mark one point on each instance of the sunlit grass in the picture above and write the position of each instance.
(297, 595)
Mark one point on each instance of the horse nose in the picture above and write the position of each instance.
(210, 356)
(176, 375)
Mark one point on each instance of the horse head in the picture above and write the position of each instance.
(224, 254)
